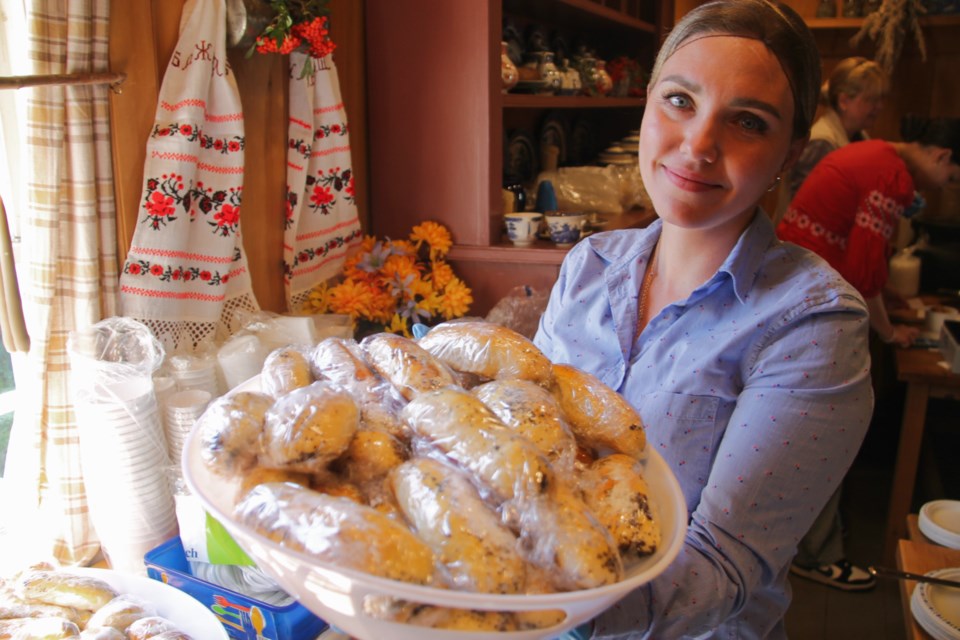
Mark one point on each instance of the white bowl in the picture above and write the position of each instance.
(183, 610)
(337, 594)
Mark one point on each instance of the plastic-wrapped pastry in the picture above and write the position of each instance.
(150, 627)
(64, 589)
(599, 416)
(406, 365)
(534, 413)
(563, 537)
(284, 370)
(15, 608)
(339, 531)
(371, 455)
(121, 612)
(102, 633)
(616, 492)
(488, 350)
(171, 635)
(307, 428)
(341, 362)
(39, 629)
(230, 430)
(466, 431)
(261, 475)
(447, 512)
(334, 485)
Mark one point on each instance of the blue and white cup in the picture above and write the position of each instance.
(565, 228)
(523, 227)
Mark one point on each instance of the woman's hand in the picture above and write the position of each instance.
(902, 335)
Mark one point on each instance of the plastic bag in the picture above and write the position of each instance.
(520, 310)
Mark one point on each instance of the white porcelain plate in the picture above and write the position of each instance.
(188, 613)
(940, 521)
(937, 608)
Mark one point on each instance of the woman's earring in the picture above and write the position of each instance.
(775, 184)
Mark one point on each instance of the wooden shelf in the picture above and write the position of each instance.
(834, 23)
(544, 251)
(586, 13)
(531, 101)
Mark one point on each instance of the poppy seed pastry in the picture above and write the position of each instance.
(307, 428)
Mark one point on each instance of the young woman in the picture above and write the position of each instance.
(746, 357)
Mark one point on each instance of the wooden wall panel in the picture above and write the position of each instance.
(143, 34)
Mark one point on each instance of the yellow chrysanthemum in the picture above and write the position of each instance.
(431, 303)
(435, 235)
(441, 274)
(317, 300)
(404, 247)
(353, 298)
(398, 325)
(456, 299)
(398, 266)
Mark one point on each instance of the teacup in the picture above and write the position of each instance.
(522, 227)
(565, 228)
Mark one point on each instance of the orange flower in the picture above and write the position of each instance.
(456, 299)
(441, 274)
(435, 235)
(352, 298)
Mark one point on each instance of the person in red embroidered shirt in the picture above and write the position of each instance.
(848, 208)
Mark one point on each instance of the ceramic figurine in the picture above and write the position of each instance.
(509, 76)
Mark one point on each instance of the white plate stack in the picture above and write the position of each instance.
(940, 521)
(937, 608)
(181, 411)
(125, 469)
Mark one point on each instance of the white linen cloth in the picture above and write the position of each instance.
(186, 274)
(321, 222)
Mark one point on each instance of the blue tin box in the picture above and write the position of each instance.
(237, 612)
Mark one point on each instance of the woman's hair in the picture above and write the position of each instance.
(775, 25)
(932, 131)
(852, 77)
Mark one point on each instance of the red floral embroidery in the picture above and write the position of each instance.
(223, 204)
(323, 186)
(300, 147)
(290, 205)
(164, 195)
(327, 130)
(172, 273)
(306, 255)
(191, 132)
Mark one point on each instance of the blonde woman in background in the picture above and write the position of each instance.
(851, 100)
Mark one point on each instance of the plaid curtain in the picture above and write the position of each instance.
(67, 264)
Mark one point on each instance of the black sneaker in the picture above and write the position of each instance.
(839, 575)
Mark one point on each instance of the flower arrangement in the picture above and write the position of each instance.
(390, 285)
(295, 24)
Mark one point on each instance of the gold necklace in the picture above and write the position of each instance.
(648, 278)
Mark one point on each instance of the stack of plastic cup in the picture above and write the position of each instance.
(125, 465)
(195, 372)
(182, 409)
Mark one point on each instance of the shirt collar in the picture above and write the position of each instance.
(620, 249)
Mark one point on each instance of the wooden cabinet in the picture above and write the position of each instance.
(437, 119)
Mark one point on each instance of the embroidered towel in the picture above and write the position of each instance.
(186, 274)
(321, 222)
